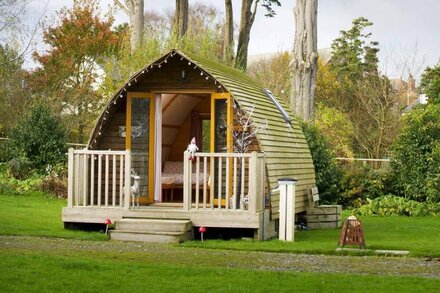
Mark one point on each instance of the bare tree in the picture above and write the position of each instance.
(247, 18)
(304, 59)
(229, 33)
(181, 18)
(14, 25)
(135, 11)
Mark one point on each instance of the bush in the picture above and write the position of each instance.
(18, 168)
(328, 175)
(56, 181)
(390, 205)
(360, 182)
(416, 155)
(40, 138)
(12, 186)
(3, 151)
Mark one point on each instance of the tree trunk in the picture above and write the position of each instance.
(181, 18)
(304, 59)
(246, 21)
(135, 11)
(229, 33)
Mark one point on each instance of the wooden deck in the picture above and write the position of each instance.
(260, 221)
(208, 218)
(98, 190)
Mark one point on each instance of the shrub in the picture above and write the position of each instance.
(416, 155)
(390, 205)
(12, 186)
(18, 168)
(3, 152)
(328, 175)
(40, 138)
(360, 182)
(56, 180)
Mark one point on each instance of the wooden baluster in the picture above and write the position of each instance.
(121, 180)
(77, 181)
(243, 173)
(99, 179)
(92, 179)
(212, 188)
(114, 182)
(187, 188)
(197, 182)
(205, 179)
(85, 193)
(219, 196)
(127, 175)
(70, 176)
(106, 180)
(227, 183)
(234, 192)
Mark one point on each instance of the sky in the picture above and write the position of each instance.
(407, 30)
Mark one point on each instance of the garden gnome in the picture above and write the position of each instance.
(192, 149)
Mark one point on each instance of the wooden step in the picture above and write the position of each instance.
(153, 225)
(158, 237)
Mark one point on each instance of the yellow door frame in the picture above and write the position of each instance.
(229, 120)
(229, 139)
(151, 96)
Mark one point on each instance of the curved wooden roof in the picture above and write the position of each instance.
(286, 151)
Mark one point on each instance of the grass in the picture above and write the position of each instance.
(37, 214)
(419, 235)
(41, 265)
(52, 273)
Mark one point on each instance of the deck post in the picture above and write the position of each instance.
(261, 201)
(127, 186)
(70, 179)
(287, 209)
(253, 182)
(186, 181)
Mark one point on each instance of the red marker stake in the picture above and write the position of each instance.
(201, 231)
(107, 222)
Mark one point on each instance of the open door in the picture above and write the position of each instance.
(139, 138)
(221, 141)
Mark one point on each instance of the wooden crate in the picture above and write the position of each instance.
(324, 217)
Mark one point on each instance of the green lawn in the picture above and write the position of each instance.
(49, 273)
(94, 269)
(37, 214)
(419, 235)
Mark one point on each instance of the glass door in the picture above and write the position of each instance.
(221, 142)
(140, 140)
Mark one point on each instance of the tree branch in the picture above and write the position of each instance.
(122, 6)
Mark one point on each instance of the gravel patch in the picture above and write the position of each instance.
(175, 255)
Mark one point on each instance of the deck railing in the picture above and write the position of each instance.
(98, 178)
(224, 182)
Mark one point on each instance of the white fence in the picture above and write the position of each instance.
(224, 182)
(98, 178)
